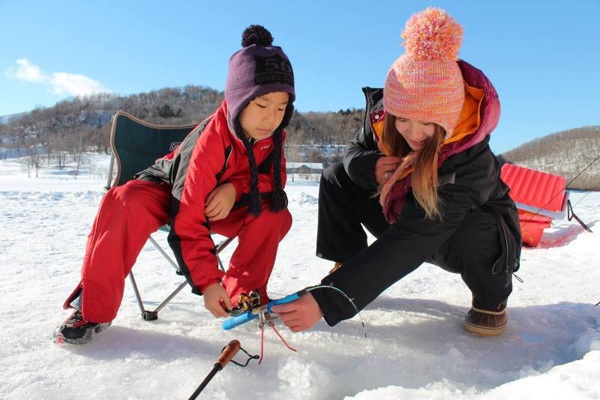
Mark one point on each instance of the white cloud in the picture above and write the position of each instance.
(60, 83)
(74, 84)
(26, 71)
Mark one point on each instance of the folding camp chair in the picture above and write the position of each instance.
(135, 146)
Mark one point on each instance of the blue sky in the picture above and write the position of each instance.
(543, 57)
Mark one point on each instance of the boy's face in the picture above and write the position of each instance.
(264, 114)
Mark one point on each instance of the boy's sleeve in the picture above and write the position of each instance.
(190, 231)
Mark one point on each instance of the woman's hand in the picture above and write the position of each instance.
(216, 300)
(220, 201)
(301, 314)
(385, 167)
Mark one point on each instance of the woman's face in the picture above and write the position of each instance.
(264, 114)
(416, 133)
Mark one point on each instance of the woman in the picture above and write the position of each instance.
(445, 202)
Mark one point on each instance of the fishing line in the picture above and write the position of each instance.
(310, 289)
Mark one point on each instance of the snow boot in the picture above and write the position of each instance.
(76, 330)
(487, 322)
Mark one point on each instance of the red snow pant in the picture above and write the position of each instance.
(127, 216)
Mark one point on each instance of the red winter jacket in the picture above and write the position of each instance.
(209, 156)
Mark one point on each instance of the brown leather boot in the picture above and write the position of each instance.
(487, 322)
(335, 266)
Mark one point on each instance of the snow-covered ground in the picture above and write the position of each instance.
(416, 346)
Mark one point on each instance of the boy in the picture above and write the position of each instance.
(226, 177)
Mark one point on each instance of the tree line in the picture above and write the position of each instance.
(573, 154)
(65, 132)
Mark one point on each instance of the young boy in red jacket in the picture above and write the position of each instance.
(226, 177)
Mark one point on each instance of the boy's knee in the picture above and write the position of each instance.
(281, 219)
(284, 218)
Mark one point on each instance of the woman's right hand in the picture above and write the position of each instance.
(385, 167)
(301, 314)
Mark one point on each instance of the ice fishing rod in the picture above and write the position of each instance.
(256, 312)
(226, 355)
(266, 310)
(265, 314)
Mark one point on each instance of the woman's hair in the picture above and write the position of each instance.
(424, 164)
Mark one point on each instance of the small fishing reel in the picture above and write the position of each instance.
(246, 302)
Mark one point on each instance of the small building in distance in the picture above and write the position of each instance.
(306, 170)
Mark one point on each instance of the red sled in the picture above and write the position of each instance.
(540, 198)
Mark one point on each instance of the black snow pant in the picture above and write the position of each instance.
(344, 208)
(472, 252)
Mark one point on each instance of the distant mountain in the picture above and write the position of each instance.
(83, 124)
(5, 119)
(574, 154)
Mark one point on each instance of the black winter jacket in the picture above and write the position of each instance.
(473, 181)
(362, 153)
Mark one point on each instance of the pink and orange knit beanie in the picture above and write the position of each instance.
(425, 83)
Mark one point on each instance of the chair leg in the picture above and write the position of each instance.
(147, 315)
(220, 247)
(164, 253)
(152, 315)
(170, 297)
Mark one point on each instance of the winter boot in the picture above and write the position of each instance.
(487, 322)
(76, 330)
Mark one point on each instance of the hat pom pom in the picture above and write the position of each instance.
(258, 35)
(432, 34)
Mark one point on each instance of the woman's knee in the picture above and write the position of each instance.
(334, 177)
(333, 171)
(476, 244)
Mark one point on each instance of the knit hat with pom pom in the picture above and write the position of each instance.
(257, 69)
(425, 83)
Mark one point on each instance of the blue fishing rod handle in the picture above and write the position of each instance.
(249, 315)
(286, 299)
(238, 320)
